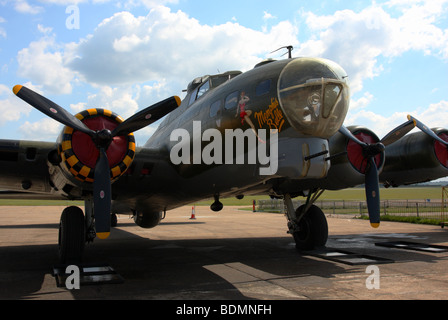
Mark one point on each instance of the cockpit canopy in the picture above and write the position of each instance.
(314, 95)
(199, 86)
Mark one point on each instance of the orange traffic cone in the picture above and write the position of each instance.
(193, 215)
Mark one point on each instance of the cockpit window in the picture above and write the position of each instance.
(203, 89)
(198, 92)
(193, 96)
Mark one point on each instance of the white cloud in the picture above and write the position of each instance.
(23, 6)
(435, 115)
(2, 30)
(44, 30)
(267, 16)
(362, 102)
(125, 49)
(11, 107)
(121, 100)
(43, 62)
(46, 129)
(358, 40)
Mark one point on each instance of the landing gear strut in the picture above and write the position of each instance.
(307, 224)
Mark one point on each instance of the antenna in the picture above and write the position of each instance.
(290, 48)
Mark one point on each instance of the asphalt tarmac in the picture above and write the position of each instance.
(231, 255)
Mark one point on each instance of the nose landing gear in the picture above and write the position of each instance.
(308, 224)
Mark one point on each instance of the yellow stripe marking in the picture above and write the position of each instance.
(72, 161)
(16, 89)
(66, 145)
(413, 120)
(127, 161)
(84, 171)
(116, 171)
(68, 130)
(178, 101)
(103, 235)
(92, 112)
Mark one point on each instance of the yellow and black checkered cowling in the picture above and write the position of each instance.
(79, 154)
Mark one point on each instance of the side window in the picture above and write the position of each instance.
(231, 100)
(193, 96)
(203, 89)
(263, 87)
(214, 108)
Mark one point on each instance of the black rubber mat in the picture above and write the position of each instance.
(413, 246)
(347, 257)
(89, 274)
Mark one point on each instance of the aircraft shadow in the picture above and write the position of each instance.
(193, 269)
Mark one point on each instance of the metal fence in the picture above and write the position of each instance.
(412, 208)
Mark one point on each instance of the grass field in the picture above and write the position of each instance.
(414, 193)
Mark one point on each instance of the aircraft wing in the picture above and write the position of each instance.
(28, 170)
(24, 170)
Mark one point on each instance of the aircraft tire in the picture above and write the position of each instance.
(313, 231)
(71, 235)
(113, 220)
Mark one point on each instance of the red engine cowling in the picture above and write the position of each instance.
(79, 154)
(348, 163)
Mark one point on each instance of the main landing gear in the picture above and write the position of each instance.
(307, 224)
(75, 230)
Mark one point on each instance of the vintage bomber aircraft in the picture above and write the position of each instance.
(302, 101)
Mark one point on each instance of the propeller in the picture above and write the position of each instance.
(426, 130)
(372, 180)
(102, 193)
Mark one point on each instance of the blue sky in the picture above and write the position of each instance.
(125, 55)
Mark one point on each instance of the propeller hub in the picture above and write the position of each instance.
(103, 138)
(374, 149)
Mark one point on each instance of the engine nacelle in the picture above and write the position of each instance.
(78, 153)
(348, 165)
(415, 158)
(147, 220)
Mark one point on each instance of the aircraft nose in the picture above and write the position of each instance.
(314, 96)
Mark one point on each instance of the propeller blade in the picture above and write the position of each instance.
(398, 133)
(51, 109)
(351, 136)
(147, 116)
(373, 193)
(102, 196)
(426, 130)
